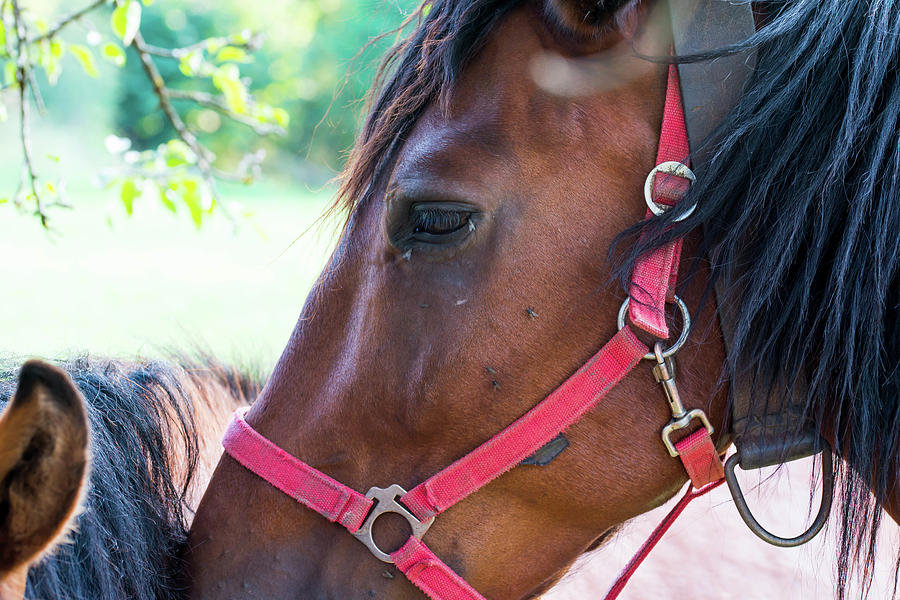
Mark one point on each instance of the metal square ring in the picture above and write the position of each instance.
(386, 502)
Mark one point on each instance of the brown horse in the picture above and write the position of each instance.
(100, 476)
(470, 281)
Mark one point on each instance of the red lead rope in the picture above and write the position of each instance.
(654, 278)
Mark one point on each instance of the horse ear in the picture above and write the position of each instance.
(587, 17)
(43, 464)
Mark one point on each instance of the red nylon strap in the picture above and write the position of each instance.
(654, 538)
(563, 407)
(308, 486)
(700, 459)
(428, 573)
(653, 279)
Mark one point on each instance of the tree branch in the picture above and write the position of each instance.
(208, 100)
(253, 43)
(159, 86)
(68, 19)
(36, 93)
(23, 78)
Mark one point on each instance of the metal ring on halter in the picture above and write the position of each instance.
(387, 503)
(671, 167)
(744, 510)
(682, 338)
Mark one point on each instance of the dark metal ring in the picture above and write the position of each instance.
(682, 337)
(762, 532)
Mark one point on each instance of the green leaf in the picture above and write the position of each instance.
(213, 45)
(9, 73)
(228, 80)
(50, 53)
(130, 192)
(126, 20)
(85, 57)
(4, 200)
(166, 201)
(178, 153)
(426, 9)
(191, 63)
(119, 20)
(193, 201)
(281, 116)
(232, 54)
(2, 36)
(114, 54)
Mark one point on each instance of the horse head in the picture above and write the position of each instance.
(470, 280)
(43, 470)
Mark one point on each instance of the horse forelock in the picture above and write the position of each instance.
(800, 210)
(149, 424)
(416, 71)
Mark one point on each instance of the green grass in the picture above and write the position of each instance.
(152, 282)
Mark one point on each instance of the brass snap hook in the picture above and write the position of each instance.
(824, 509)
(664, 373)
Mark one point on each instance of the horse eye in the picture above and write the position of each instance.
(425, 222)
(438, 221)
(437, 224)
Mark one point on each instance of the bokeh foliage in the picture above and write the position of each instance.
(314, 64)
(280, 80)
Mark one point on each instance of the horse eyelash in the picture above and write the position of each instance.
(443, 220)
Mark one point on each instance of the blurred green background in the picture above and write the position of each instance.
(108, 284)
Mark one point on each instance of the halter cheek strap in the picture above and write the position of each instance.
(652, 286)
(654, 276)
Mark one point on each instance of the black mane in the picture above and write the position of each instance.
(131, 531)
(800, 213)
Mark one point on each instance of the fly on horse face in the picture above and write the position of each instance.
(467, 319)
(491, 350)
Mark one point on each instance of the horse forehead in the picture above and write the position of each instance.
(440, 143)
(497, 92)
(496, 106)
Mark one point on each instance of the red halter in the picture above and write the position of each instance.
(652, 287)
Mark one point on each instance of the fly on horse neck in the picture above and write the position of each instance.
(590, 246)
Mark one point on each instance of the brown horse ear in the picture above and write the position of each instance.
(588, 17)
(43, 464)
